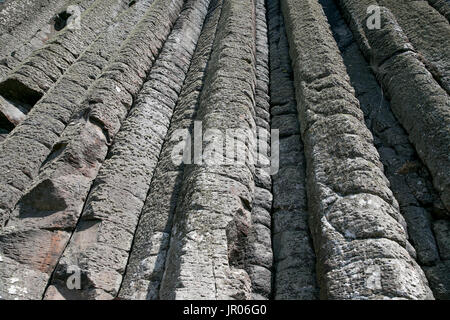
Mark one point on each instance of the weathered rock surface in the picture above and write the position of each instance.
(224, 149)
(353, 213)
(148, 257)
(39, 72)
(409, 179)
(26, 25)
(108, 221)
(30, 143)
(206, 256)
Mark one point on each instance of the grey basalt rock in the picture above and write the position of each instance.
(442, 6)
(151, 242)
(441, 229)
(409, 179)
(352, 210)
(128, 169)
(431, 40)
(206, 256)
(224, 149)
(66, 178)
(27, 25)
(29, 144)
(35, 75)
(425, 116)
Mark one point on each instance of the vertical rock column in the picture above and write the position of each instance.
(431, 39)
(18, 21)
(206, 258)
(259, 253)
(26, 38)
(409, 83)
(36, 236)
(294, 259)
(359, 235)
(409, 78)
(28, 145)
(418, 101)
(116, 199)
(410, 181)
(151, 242)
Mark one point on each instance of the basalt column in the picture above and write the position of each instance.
(294, 258)
(359, 235)
(259, 252)
(206, 258)
(49, 210)
(25, 149)
(117, 196)
(148, 257)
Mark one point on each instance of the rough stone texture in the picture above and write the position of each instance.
(425, 117)
(118, 141)
(27, 25)
(107, 223)
(147, 260)
(34, 76)
(259, 251)
(409, 76)
(206, 257)
(409, 179)
(50, 208)
(442, 6)
(350, 217)
(29, 144)
(431, 40)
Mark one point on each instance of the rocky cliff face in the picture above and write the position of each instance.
(224, 149)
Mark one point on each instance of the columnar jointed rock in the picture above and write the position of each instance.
(50, 209)
(134, 156)
(359, 235)
(207, 247)
(417, 82)
(431, 40)
(410, 181)
(418, 101)
(28, 145)
(26, 25)
(18, 39)
(294, 259)
(108, 222)
(147, 260)
(34, 76)
(442, 6)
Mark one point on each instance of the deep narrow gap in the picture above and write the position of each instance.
(283, 104)
(19, 94)
(261, 45)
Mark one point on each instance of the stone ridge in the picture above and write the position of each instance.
(224, 149)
